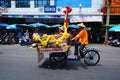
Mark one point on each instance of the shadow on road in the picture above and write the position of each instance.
(71, 65)
(1, 52)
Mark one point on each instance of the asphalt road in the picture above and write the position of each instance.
(20, 63)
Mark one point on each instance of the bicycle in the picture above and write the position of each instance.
(91, 57)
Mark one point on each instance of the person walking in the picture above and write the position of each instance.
(83, 40)
(27, 37)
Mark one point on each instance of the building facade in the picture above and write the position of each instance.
(51, 12)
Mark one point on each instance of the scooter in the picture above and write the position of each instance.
(22, 41)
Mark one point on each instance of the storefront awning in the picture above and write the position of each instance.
(86, 18)
(73, 17)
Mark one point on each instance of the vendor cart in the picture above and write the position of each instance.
(58, 49)
(57, 55)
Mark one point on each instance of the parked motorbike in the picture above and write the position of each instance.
(22, 41)
(8, 38)
(114, 42)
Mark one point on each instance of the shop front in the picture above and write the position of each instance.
(114, 15)
(93, 22)
(53, 14)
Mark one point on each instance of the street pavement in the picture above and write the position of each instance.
(20, 63)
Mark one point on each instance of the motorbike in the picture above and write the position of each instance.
(8, 38)
(22, 41)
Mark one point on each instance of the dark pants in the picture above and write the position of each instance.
(82, 46)
(27, 42)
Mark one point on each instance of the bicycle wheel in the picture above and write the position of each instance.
(58, 59)
(92, 57)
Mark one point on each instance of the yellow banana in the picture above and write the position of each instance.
(58, 42)
(37, 38)
(44, 43)
(46, 38)
(67, 47)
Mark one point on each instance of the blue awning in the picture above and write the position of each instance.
(35, 25)
(4, 24)
(12, 26)
(73, 26)
(115, 28)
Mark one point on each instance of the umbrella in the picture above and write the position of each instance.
(73, 26)
(3, 24)
(48, 26)
(12, 26)
(115, 28)
(56, 25)
(24, 25)
(35, 25)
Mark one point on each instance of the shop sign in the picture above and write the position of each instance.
(49, 9)
(44, 20)
(85, 18)
(114, 10)
(113, 2)
(51, 50)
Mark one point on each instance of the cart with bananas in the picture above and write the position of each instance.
(55, 45)
(57, 48)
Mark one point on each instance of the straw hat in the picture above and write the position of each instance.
(81, 25)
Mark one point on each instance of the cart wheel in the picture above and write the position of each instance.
(58, 59)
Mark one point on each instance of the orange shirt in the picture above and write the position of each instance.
(83, 37)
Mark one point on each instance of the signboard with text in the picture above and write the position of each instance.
(114, 10)
(114, 7)
(113, 2)
(49, 9)
(86, 18)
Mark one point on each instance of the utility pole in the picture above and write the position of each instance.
(107, 22)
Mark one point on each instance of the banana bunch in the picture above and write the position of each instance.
(37, 38)
(47, 38)
(51, 37)
(65, 36)
(58, 42)
(44, 37)
(44, 44)
(67, 47)
(43, 40)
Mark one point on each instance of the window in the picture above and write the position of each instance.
(22, 3)
(39, 3)
(5, 3)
